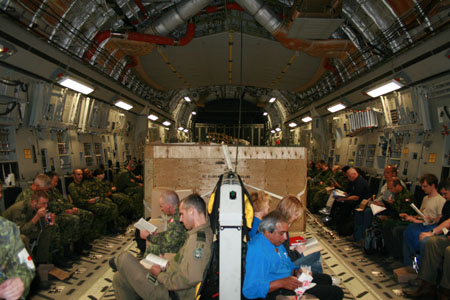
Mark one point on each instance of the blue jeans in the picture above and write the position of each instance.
(363, 220)
(314, 260)
(411, 243)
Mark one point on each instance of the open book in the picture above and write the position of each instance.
(311, 246)
(294, 241)
(376, 209)
(152, 259)
(338, 193)
(425, 222)
(144, 225)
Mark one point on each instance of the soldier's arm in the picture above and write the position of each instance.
(189, 271)
(19, 258)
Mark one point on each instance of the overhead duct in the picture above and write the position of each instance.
(176, 16)
(264, 15)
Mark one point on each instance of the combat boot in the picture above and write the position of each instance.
(425, 289)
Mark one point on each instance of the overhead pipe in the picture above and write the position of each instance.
(142, 8)
(133, 63)
(177, 15)
(264, 15)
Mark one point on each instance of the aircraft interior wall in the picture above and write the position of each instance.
(45, 127)
(412, 133)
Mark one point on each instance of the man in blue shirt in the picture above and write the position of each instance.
(269, 270)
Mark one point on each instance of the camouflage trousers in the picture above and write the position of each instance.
(137, 194)
(104, 212)
(69, 228)
(125, 206)
(41, 244)
(86, 220)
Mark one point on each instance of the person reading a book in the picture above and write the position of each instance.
(392, 225)
(364, 216)
(292, 208)
(436, 256)
(269, 270)
(431, 209)
(343, 207)
(171, 240)
(184, 271)
(261, 206)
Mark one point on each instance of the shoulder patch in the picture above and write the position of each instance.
(24, 257)
(201, 236)
(198, 253)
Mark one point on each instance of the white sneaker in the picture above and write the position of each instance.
(325, 211)
(336, 281)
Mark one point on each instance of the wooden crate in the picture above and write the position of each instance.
(279, 170)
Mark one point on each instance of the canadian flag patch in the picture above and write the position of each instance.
(24, 257)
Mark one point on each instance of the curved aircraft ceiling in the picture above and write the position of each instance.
(295, 50)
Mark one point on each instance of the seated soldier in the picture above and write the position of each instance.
(171, 240)
(269, 271)
(392, 225)
(128, 183)
(83, 194)
(79, 230)
(38, 231)
(133, 281)
(16, 269)
(107, 190)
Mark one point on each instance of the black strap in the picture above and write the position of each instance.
(173, 295)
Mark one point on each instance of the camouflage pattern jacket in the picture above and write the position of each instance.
(169, 241)
(123, 180)
(14, 258)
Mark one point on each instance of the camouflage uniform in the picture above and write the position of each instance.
(169, 241)
(21, 213)
(124, 202)
(104, 210)
(185, 271)
(73, 227)
(125, 185)
(13, 256)
(315, 187)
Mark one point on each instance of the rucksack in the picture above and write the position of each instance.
(374, 242)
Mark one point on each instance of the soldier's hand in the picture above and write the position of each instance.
(144, 234)
(75, 210)
(69, 211)
(11, 289)
(132, 180)
(113, 189)
(141, 185)
(41, 212)
(155, 270)
(92, 201)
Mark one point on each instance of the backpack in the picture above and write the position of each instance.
(374, 242)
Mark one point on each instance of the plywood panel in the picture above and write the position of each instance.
(279, 170)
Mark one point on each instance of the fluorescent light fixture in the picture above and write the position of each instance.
(123, 105)
(194, 113)
(75, 85)
(278, 129)
(272, 100)
(180, 128)
(292, 124)
(187, 99)
(306, 119)
(336, 107)
(166, 123)
(272, 131)
(153, 117)
(384, 88)
(265, 113)
(185, 130)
